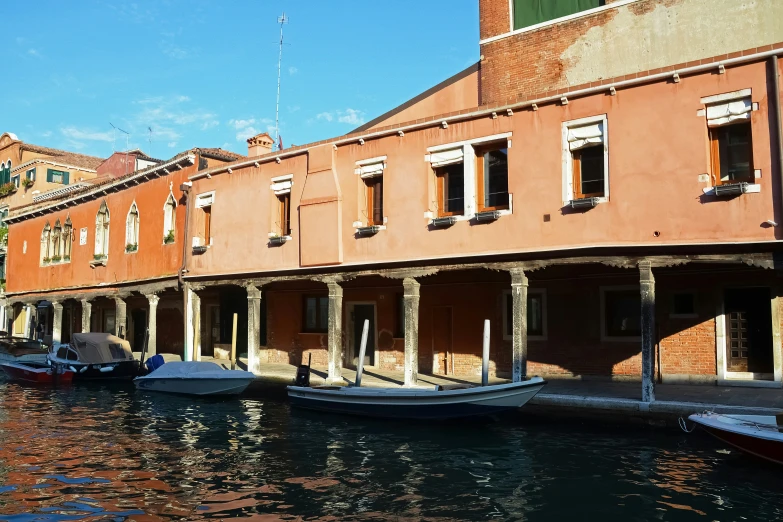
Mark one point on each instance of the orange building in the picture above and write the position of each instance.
(604, 186)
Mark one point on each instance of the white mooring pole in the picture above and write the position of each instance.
(362, 349)
(485, 355)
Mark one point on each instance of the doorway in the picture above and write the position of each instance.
(139, 318)
(442, 361)
(358, 314)
(748, 316)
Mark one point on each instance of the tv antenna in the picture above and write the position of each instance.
(282, 20)
(127, 138)
(150, 141)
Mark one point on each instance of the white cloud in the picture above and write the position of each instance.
(292, 70)
(46, 134)
(209, 124)
(248, 127)
(245, 133)
(79, 134)
(172, 144)
(351, 116)
(34, 53)
(173, 51)
(325, 116)
(241, 124)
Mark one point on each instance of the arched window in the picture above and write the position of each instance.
(7, 177)
(132, 229)
(169, 219)
(57, 235)
(46, 236)
(67, 239)
(102, 232)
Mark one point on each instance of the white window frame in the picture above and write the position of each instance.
(610, 338)
(281, 185)
(104, 236)
(205, 199)
(46, 241)
(544, 315)
(361, 165)
(568, 158)
(469, 172)
(16, 179)
(170, 223)
(132, 234)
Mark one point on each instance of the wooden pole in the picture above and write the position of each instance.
(362, 349)
(485, 356)
(234, 344)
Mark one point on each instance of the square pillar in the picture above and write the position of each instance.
(519, 324)
(647, 289)
(86, 315)
(253, 329)
(335, 332)
(152, 325)
(191, 323)
(10, 317)
(57, 322)
(410, 304)
(120, 318)
(29, 319)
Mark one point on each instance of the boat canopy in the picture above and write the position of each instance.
(100, 348)
(195, 370)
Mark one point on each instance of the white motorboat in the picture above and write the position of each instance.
(22, 350)
(759, 435)
(195, 378)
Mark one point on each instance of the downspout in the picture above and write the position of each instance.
(773, 62)
(185, 188)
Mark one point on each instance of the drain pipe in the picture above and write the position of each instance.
(185, 188)
(773, 63)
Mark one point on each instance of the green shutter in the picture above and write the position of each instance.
(66, 176)
(63, 176)
(532, 12)
(49, 175)
(7, 175)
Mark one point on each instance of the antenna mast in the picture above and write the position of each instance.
(150, 140)
(127, 146)
(281, 20)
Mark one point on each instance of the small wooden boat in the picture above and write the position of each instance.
(757, 435)
(437, 403)
(21, 349)
(195, 378)
(36, 373)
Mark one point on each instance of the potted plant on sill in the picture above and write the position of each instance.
(56, 259)
(131, 247)
(46, 259)
(66, 258)
(28, 183)
(7, 188)
(168, 238)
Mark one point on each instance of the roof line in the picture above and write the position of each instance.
(50, 162)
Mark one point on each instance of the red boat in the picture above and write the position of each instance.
(36, 373)
(757, 435)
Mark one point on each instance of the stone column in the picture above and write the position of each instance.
(187, 306)
(10, 317)
(647, 288)
(152, 325)
(410, 303)
(519, 324)
(29, 319)
(86, 315)
(335, 332)
(57, 322)
(120, 318)
(253, 329)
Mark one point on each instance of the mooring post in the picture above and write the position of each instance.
(485, 355)
(362, 349)
(234, 344)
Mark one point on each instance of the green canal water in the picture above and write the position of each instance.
(99, 453)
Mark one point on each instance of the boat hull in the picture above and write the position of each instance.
(94, 372)
(760, 438)
(195, 386)
(35, 374)
(412, 403)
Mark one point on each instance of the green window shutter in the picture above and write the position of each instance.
(66, 176)
(49, 175)
(31, 174)
(532, 12)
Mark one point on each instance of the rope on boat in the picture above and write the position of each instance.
(684, 425)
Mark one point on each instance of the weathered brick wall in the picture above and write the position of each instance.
(633, 38)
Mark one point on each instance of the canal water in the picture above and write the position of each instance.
(108, 453)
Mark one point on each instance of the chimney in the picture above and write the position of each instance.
(259, 145)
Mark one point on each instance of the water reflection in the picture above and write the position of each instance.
(107, 453)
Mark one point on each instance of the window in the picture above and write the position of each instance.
(46, 236)
(532, 12)
(57, 176)
(731, 144)
(374, 200)
(536, 315)
(15, 180)
(621, 309)
(683, 304)
(102, 232)
(316, 314)
(132, 229)
(6, 172)
(169, 219)
(586, 159)
(57, 235)
(281, 188)
(492, 177)
(67, 240)
(30, 174)
(451, 189)
(207, 212)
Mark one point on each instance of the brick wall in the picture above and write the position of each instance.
(493, 18)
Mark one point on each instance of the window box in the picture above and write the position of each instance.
(443, 222)
(731, 189)
(276, 240)
(98, 260)
(369, 231)
(28, 183)
(6, 189)
(584, 202)
(168, 238)
(488, 216)
(67, 259)
(200, 249)
(129, 248)
(56, 259)
(47, 259)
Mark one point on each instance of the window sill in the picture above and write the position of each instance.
(276, 240)
(748, 188)
(369, 230)
(98, 262)
(585, 203)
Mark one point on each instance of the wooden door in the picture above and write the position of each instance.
(441, 340)
(749, 331)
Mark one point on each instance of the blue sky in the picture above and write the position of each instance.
(204, 73)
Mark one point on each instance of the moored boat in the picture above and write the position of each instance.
(21, 349)
(437, 403)
(757, 435)
(36, 373)
(195, 378)
(96, 356)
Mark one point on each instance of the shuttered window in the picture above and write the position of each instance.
(532, 12)
(57, 176)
